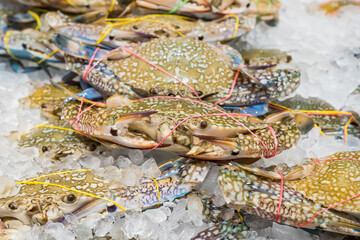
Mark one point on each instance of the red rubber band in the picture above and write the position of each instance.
(319, 160)
(275, 140)
(231, 90)
(86, 73)
(79, 114)
(185, 119)
(148, 62)
(336, 204)
(216, 109)
(280, 197)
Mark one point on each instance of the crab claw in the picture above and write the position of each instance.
(118, 133)
(76, 49)
(304, 122)
(214, 148)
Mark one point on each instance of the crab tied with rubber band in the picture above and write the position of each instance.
(193, 128)
(177, 67)
(320, 194)
(81, 192)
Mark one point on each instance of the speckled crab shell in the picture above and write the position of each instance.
(154, 118)
(40, 203)
(309, 188)
(210, 69)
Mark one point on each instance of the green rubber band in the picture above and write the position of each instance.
(180, 4)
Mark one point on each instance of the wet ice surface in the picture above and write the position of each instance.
(322, 49)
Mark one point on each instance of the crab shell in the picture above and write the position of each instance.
(208, 68)
(49, 99)
(320, 184)
(39, 203)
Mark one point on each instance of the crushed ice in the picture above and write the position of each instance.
(323, 49)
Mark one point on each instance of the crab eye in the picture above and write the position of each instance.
(91, 147)
(111, 208)
(113, 132)
(34, 209)
(135, 27)
(203, 124)
(201, 38)
(13, 205)
(44, 149)
(235, 152)
(248, 5)
(111, 37)
(69, 198)
(24, 46)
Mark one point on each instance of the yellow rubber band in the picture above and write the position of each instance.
(74, 190)
(47, 56)
(236, 26)
(104, 33)
(74, 6)
(321, 132)
(312, 111)
(157, 189)
(346, 128)
(152, 15)
(37, 18)
(8, 33)
(66, 129)
(30, 181)
(58, 173)
(112, 6)
(241, 217)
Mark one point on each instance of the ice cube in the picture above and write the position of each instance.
(150, 168)
(136, 157)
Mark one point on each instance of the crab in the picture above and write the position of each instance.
(57, 141)
(49, 99)
(312, 193)
(333, 7)
(329, 123)
(266, 10)
(75, 6)
(149, 122)
(207, 71)
(41, 203)
(30, 45)
(136, 28)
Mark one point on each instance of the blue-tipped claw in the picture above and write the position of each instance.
(255, 110)
(89, 93)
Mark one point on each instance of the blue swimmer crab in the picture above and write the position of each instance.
(331, 124)
(40, 203)
(149, 122)
(57, 141)
(30, 45)
(313, 196)
(265, 10)
(142, 28)
(207, 71)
